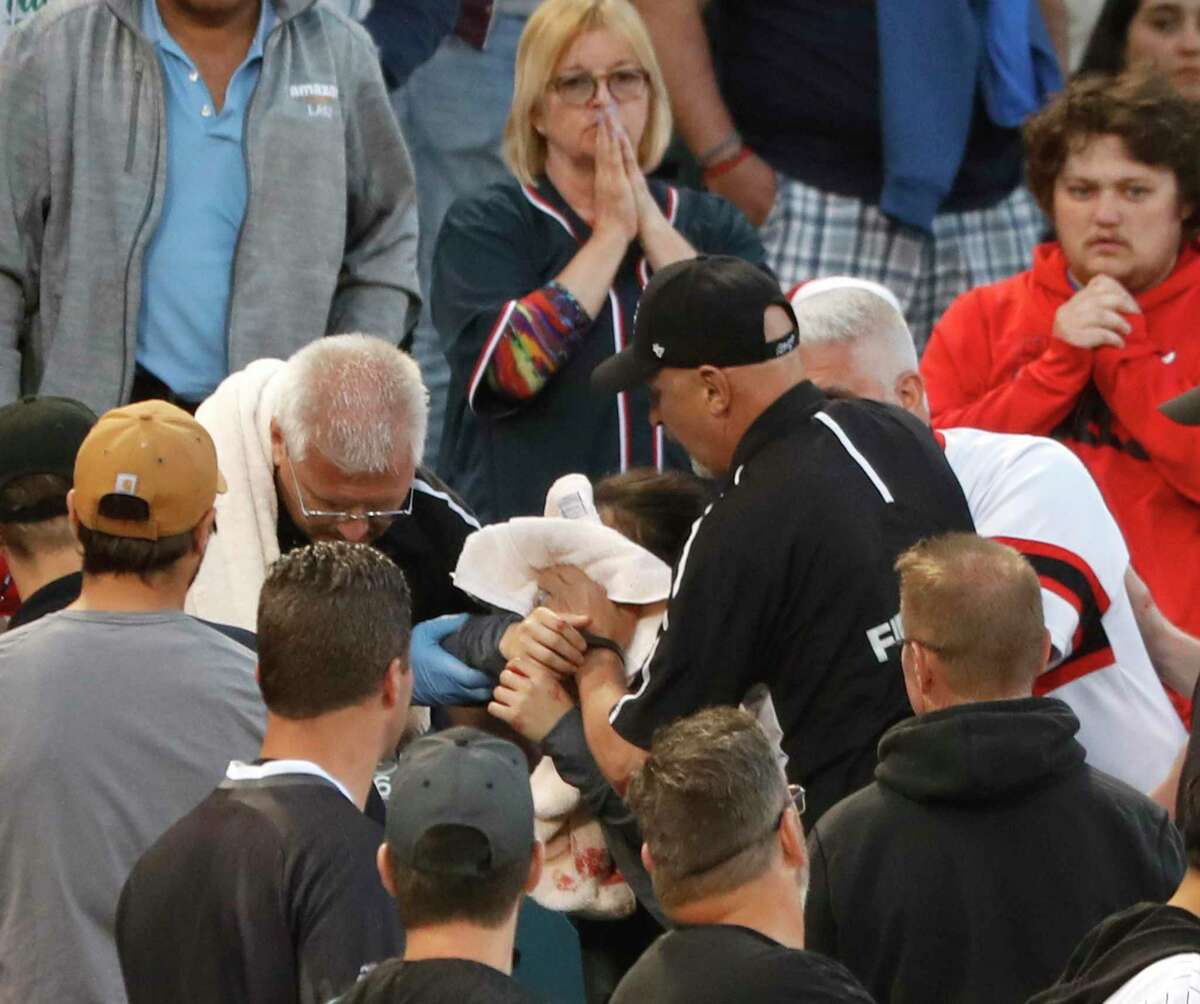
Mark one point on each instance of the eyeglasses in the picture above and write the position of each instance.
(795, 801)
(626, 84)
(346, 517)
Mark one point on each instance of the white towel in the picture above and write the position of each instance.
(500, 564)
(238, 417)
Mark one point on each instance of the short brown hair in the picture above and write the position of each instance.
(654, 509)
(426, 899)
(978, 605)
(1158, 126)
(548, 34)
(706, 799)
(331, 618)
(46, 492)
(104, 554)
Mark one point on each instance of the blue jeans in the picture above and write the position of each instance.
(452, 112)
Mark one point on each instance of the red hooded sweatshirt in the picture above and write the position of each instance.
(992, 363)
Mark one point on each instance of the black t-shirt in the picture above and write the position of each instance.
(52, 597)
(265, 893)
(723, 962)
(787, 581)
(425, 545)
(801, 78)
(437, 980)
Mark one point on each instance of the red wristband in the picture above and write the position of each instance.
(728, 164)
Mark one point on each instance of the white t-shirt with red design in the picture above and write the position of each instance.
(1035, 495)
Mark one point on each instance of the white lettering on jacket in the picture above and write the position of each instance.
(884, 636)
(314, 92)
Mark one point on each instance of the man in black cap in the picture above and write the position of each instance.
(39, 438)
(787, 581)
(460, 856)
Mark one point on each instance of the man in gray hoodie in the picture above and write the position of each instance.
(189, 185)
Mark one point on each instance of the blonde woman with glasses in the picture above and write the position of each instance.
(536, 278)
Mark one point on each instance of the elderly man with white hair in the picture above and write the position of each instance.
(327, 446)
(1033, 494)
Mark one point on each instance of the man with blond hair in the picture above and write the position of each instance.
(986, 847)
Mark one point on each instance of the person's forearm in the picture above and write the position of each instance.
(1175, 654)
(677, 29)
(664, 245)
(601, 682)
(1057, 21)
(566, 744)
(543, 330)
(1166, 793)
(477, 642)
(589, 275)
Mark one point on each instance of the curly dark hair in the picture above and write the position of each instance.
(1156, 124)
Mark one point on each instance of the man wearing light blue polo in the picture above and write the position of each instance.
(187, 186)
(187, 270)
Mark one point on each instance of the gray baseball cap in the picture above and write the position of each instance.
(461, 777)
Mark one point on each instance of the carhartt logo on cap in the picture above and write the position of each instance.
(126, 484)
(657, 349)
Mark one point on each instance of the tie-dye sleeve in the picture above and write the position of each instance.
(543, 329)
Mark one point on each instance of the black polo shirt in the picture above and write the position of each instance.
(425, 545)
(265, 893)
(787, 580)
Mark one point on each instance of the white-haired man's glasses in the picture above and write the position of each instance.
(339, 516)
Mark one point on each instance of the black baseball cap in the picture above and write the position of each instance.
(41, 435)
(706, 310)
(1184, 409)
(461, 777)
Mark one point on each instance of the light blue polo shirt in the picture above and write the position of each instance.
(187, 272)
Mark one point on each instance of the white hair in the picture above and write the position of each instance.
(356, 399)
(855, 313)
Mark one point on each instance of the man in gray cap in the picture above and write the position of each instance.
(459, 857)
(39, 438)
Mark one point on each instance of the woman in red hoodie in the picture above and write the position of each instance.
(1106, 325)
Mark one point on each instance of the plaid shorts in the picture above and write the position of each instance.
(810, 233)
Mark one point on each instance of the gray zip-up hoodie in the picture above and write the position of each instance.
(329, 239)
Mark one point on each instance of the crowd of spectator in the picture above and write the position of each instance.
(725, 476)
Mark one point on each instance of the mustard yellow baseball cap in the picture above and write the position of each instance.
(147, 470)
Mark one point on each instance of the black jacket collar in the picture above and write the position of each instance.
(52, 597)
(787, 414)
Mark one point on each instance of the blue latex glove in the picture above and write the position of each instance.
(439, 678)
